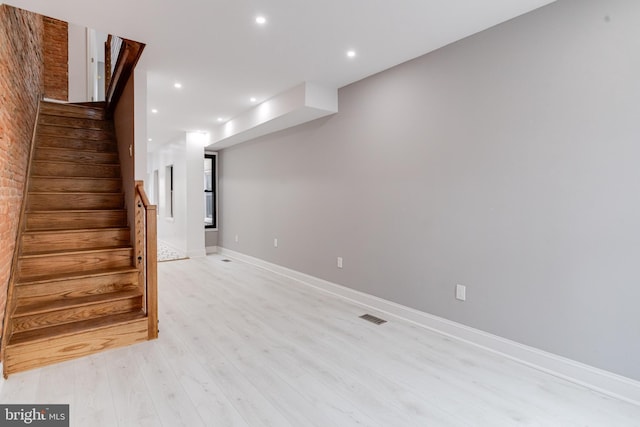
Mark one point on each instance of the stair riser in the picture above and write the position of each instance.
(74, 288)
(73, 122)
(58, 155)
(62, 201)
(75, 185)
(75, 220)
(86, 239)
(26, 356)
(41, 168)
(75, 144)
(37, 266)
(90, 134)
(72, 111)
(76, 314)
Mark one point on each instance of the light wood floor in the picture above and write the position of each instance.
(240, 346)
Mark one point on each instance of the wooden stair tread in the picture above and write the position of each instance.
(49, 114)
(79, 144)
(96, 179)
(44, 183)
(111, 139)
(67, 219)
(73, 105)
(77, 275)
(62, 211)
(48, 306)
(92, 249)
(56, 113)
(37, 230)
(31, 267)
(49, 154)
(75, 252)
(72, 211)
(69, 329)
(73, 230)
(94, 169)
(76, 133)
(74, 150)
(74, 122)
(92, 178)
(60, 111)
(54, 201)
(79, 193)
(62, 162)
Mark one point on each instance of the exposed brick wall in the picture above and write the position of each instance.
(56, 59)
(21, 85)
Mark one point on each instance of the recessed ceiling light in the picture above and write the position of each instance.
(253, 99)
(177, 85)
(150, 139)
(351, 53)
(261, 20)
(154, 111)
(220, 119)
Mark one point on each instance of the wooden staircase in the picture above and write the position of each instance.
(75, 286)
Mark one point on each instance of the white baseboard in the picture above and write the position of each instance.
(197, 253)
(594, 378)
(211, 250)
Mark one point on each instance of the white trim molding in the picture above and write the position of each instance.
(56, 101)
(596, 379)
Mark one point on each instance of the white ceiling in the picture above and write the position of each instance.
(222, 57)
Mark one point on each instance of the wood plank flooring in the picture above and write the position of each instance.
(240, 346)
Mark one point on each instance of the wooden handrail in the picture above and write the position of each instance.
(128, 57)
(146, 249)
(107, 63)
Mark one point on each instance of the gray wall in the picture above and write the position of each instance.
(210, 238)
(508, 162)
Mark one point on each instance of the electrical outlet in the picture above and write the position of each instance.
(236, 238)
(339, 262)
(275, 242)
(461, 292)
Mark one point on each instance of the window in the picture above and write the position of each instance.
(210, 198)
(169, 191)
